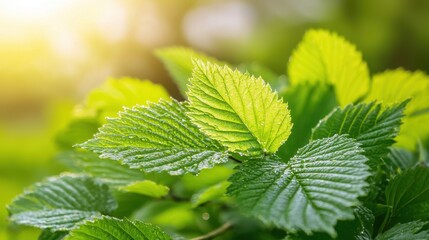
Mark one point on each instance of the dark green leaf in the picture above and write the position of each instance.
(61, 202)
(406, 231)
(311, 192)
(157, 138)
(116, 229)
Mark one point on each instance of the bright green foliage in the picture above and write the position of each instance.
(115, 94)
(237, 109)
(339, 173)
(406, 231)
(112, 229)
(108, 171)
(211, 193)
(325, 57)
(61, 202)
(398, 85)
(148, 188)
(408, 196)
(158, 138)
(372, 126)
(310, 192)
(178, 61)
(308, 103)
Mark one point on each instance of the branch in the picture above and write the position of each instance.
(216, 232)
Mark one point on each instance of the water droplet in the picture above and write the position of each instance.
(205, 216)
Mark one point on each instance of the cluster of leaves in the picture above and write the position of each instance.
(318, 155)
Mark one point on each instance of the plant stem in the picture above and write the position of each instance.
(386, 218)
(216, 232)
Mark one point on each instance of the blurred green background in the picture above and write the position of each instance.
(54, 52)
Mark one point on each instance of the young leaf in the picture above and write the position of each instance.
(406, 231)
(148, 188)
(372, 126)
(178, 61)
(408, 196)
(323, 56)
(112, 228)
(108, 171)
(61, 202)
(398, 85)
(157, 138)
(310, 192)
(237, 109)
(211, 193)
(308, 103)
(110, 98)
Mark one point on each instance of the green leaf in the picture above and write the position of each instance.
(50, 235)
(211, 193)
(120, 229)
(276, 81)
(157, 138)
(308, 103)
(408, 196)
(310, 192)
(115, 94)
(107, 171)
(398, 85)
(372, 126)
(400, 159)
(325, 57)
(237, 109)
(406, 231)
(178, 61)
(77, 130)
(61, 202)
(358, 229)
(148, 188)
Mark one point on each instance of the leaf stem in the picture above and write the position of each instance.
(218, 231)
(385, 221)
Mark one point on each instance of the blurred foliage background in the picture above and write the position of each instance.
(54, 52)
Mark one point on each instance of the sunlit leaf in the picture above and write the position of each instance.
(238, 110)
(157, 138)
(148, 188)
(396, 86)
(178, 61)
(323, 56)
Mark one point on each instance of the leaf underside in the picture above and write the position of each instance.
(238, 110)
(61, 202)
(157, 138)
(311, 192)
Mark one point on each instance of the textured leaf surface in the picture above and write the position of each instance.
(178, 61)
(406, 231)
(115, 94)
(400, 159)
(372, 126)
(398, 85)
(308, 103)
(148, 188)
(237, 109)
(117, 229)
(157, 138)
(108, 171)
(61, 202)
(323, 56)
(311, 192)
(408, 196)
